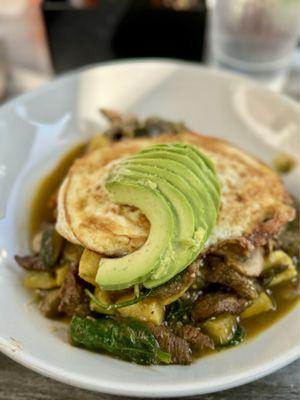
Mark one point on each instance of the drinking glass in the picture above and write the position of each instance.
(255, 37)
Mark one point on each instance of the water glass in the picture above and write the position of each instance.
(255, 37)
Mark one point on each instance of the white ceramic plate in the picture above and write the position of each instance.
(36, 129)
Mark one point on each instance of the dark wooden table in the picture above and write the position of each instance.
(19, 383)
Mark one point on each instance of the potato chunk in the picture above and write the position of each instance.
(260, 305)
(148, 310)
(46, 280)
(279, 259)
(88, 266)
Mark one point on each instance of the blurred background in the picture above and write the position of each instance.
(257, 38)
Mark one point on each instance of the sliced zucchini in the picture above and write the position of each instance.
(261, 304)
(149, 310)
(51, 246)
(221, 329)
(276, 260)
(88, 266)
(103, 297)
(46, 280)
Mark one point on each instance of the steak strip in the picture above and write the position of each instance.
(177, 347)
(177, 284)
(73, 300)
(214, 304)
(49, 301)
(31, 263)
(194, 337)
(224, 274)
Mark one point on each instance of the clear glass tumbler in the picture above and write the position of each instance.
(255, 37)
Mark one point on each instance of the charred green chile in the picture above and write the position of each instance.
(127, 339)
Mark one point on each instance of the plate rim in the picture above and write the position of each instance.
(153, 60)
(138, 390)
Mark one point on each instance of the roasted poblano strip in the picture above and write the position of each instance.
(125, 338)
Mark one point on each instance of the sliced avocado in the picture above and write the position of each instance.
(205, 201)
(197, 155)
(123, 272)
(188, 241)
(202, 160)
(179, 194)
(174, 154)
(204, 163)
(207, 160)
(167, 271)
(176, 180)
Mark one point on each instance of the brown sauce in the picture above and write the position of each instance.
(285, 295)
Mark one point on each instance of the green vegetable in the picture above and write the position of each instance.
(224, 330)
(261, 304)
(284, 163)
(110, 307)
(178, 311)
(221, 329)
(51, 246)
(267, 277)
(281, 261)
(125, 338)
(238, 337)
